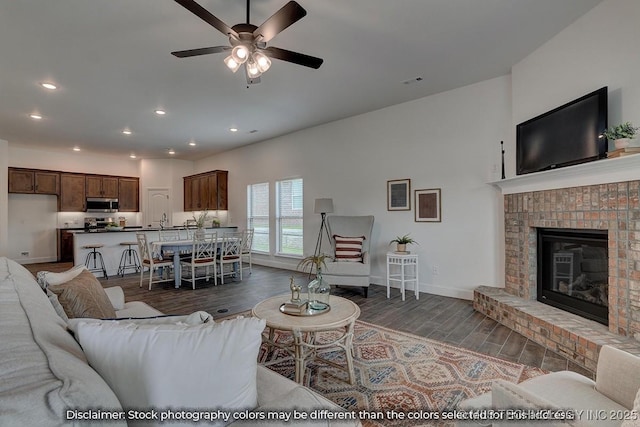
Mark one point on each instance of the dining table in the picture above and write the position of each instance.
(178, 247)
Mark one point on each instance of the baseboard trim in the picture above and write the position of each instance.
(466, 294)
(36, 260)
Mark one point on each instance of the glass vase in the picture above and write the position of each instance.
(319, 290)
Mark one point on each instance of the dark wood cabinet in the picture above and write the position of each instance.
(128, 195)
(72, 193)
(33, 181)
(222, 193)
(206, 191)
(65, 246)
(74, 188)
(102, 186)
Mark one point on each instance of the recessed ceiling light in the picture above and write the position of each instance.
(160, 112)
(192, 143)
(172, 151)
(233, 129)
(49, 86)
(133, 156)
(76, 148)
(35, 116)
(126, 132)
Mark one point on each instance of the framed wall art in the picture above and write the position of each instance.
(428, 207)
(399, 195)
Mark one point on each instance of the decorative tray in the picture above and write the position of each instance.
(305, 310)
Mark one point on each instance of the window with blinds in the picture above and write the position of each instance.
(289, 213)
(258, 215)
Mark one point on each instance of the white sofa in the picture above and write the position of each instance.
(44, 372)
(599, 403)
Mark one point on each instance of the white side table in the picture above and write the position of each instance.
(405, 268)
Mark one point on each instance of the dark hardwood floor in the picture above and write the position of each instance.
(441, 318)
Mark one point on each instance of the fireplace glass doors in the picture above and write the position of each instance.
(573, 271)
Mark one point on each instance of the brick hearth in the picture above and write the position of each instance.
(612, 207)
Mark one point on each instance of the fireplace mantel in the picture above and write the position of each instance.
(603, 171)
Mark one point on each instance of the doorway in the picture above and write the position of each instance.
(158, 203)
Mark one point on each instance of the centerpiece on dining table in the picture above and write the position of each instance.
(201, 220)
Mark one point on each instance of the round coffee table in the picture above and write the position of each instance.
(341, 317)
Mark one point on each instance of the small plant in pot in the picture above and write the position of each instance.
(621, 134)
(402, 242)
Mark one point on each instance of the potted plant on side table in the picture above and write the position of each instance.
(621, 135)
(402, 242)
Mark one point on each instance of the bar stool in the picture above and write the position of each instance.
(129, 258)
(96, 255)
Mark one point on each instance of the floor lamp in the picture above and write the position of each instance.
(322, 207)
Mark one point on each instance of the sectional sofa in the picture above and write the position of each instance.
(47, 380)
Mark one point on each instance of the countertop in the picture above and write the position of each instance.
(138, 228)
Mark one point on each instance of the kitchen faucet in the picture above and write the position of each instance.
(163, 221)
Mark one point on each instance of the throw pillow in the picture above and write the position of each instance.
(84, 296)
(205, 367)
(48, 278)
(348, 248)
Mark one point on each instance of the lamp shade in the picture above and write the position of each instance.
(323, 206)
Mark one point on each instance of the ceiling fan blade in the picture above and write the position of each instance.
(207, 17)
(295, 57)
(200, 51)
(287, 15)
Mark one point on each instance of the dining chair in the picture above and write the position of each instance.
(149, 260)
(245, 251)
(231, 253)
(203, 254)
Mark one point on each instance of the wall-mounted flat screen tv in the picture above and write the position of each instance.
(564, 136)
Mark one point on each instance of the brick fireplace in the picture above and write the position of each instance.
(613, 207)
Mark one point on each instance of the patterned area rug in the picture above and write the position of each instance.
(400, 371)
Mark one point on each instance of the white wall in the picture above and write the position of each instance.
(33, 235)
(449, 141)
(599, 49)
(4, 204)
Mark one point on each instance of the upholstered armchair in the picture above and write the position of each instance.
(346, 271)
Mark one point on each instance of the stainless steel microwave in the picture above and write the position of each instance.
(98, 204)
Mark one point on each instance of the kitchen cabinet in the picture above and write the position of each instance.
(33, 181)
(72, 193)
(128, 195)
(206, 191)
(65, 246)
(218, 199)
(102, 186)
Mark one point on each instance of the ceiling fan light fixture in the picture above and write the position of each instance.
(252, 69)
(240, 53)
(231, 63)
(262, 61)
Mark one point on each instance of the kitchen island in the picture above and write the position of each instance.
(112, 250)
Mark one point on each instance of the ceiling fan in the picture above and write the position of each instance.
(248, 43)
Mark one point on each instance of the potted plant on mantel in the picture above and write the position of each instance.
(402, 242)
(621, 134)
